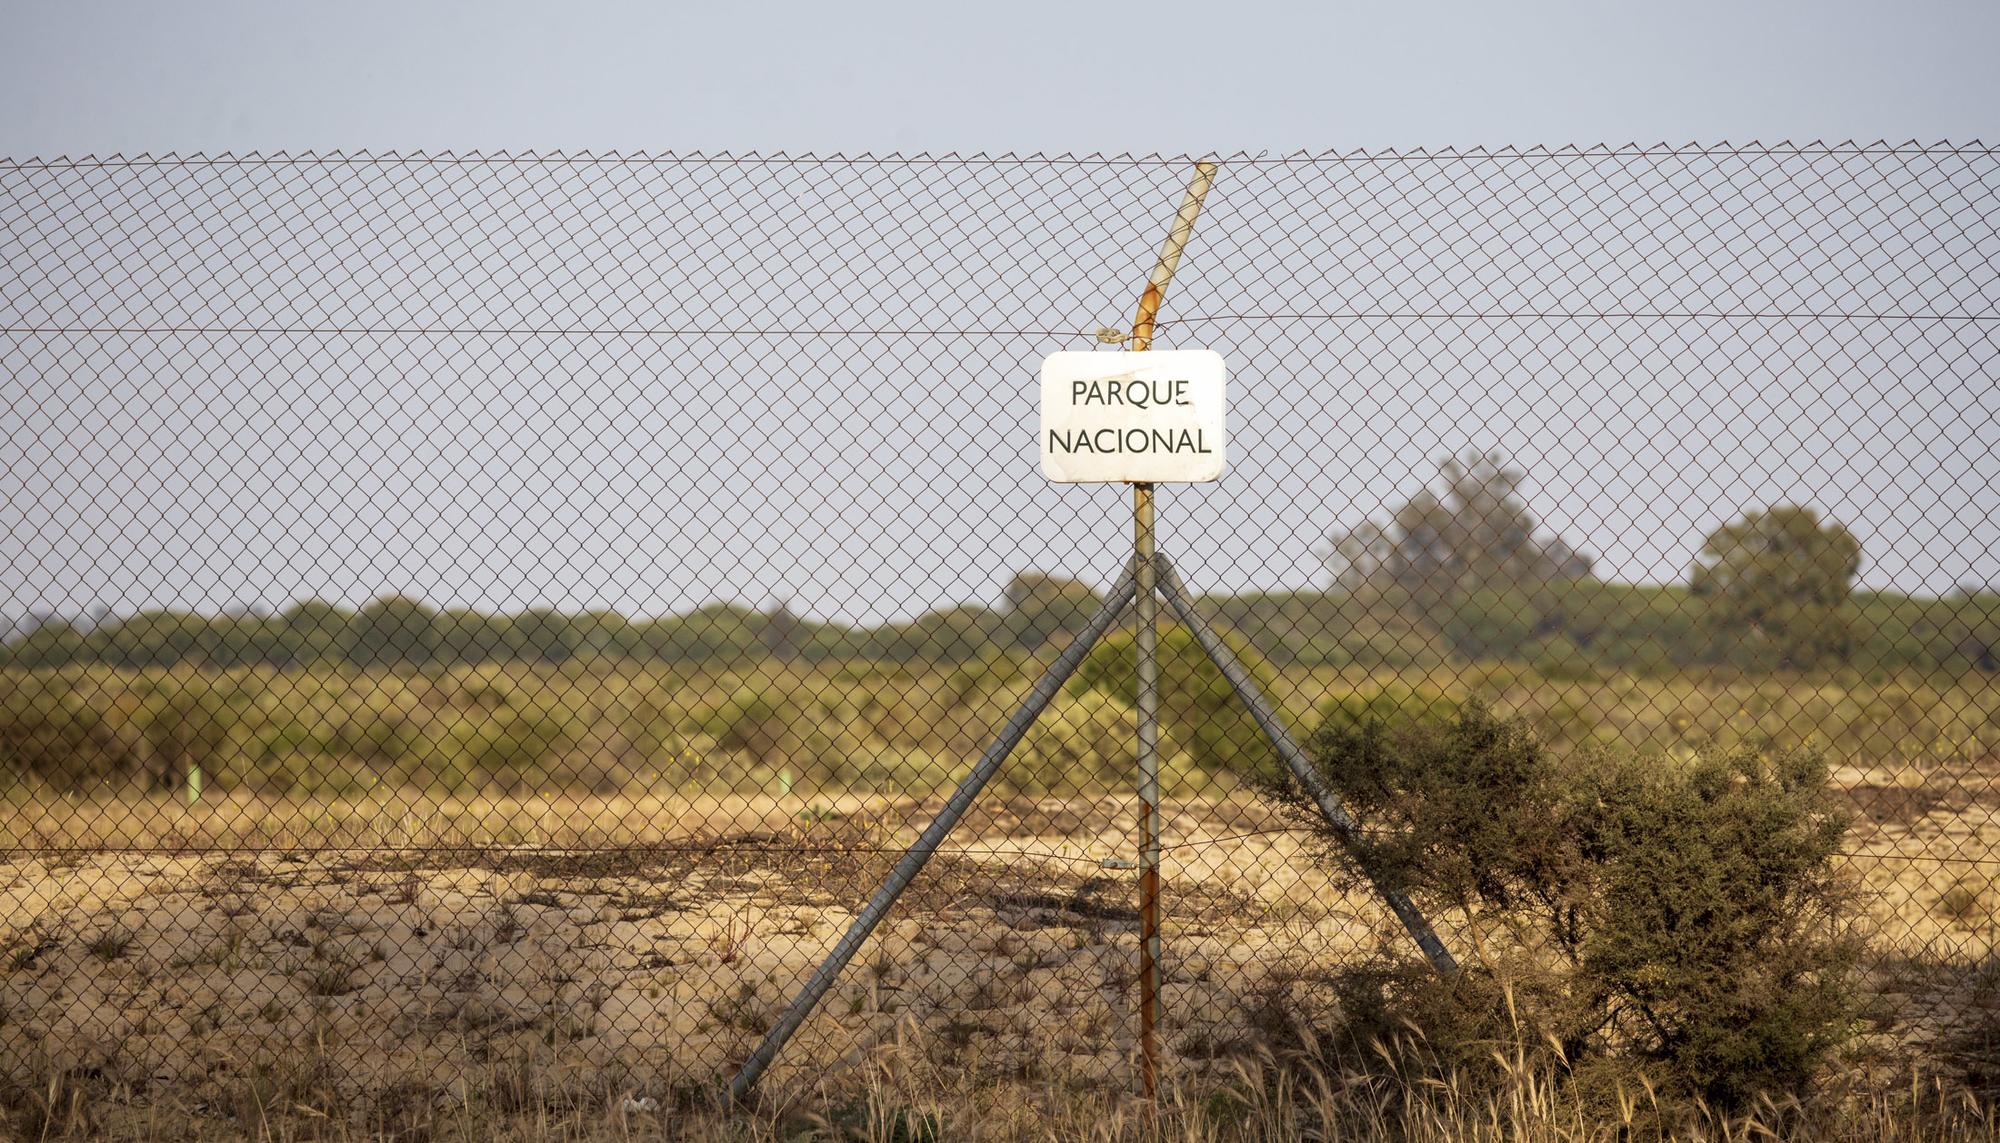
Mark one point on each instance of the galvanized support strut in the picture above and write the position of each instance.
(912, 862)
(1295, 759)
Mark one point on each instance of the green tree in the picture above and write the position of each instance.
(1474, 533)
(54, 643)
(718, 631)
(1963, 631)
(1464, 559)
(605, 632)
(1041, 607)
(395, 631)
(547, 634)
(150, 639)
(312, 631)
(467, 636)
(954, 635)
(242, 638)
(1777, 585)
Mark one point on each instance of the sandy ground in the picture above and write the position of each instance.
(653, 969)
(349, 973)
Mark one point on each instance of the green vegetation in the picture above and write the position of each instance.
(1044, 607)
(1675, 920)
(1454, 595)
(1778, 583)
(603, 724)
(1199, 712)
(1585, 626)
(50, 734)
(1390, 705)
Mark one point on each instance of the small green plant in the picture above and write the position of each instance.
(329, 978)
(110, 944)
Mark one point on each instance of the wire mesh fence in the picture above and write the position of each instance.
(466, 612)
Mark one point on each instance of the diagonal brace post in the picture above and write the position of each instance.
(1295, 759)
(912, 862)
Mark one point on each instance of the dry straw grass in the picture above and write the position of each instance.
(902, 1093)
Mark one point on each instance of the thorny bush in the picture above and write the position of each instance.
(1676, 917)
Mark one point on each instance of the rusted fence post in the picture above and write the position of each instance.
(1146, 667)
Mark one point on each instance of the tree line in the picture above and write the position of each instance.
(403, 632)
(1773, 588)
(1458, 571)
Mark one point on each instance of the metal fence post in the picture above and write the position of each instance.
(1146, 667)
(1147, 680)
(912, 862)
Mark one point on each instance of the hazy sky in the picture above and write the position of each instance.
(846, 475)
(82, 76)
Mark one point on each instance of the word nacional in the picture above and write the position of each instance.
(1128, 440)
(1133, 417)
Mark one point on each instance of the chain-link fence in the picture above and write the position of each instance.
(501, 615)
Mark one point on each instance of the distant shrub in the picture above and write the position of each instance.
(1081, 742)
(809, 739)
(509, 749)
(953, 635)
(49, 735)
(755, 720)
(1043, 607)
(382, 737)
(1678, 917)
(1393, 706)
(653, 734)
(186, 724)
(1382, 647)
(997, 668)
(1199, 710)
(1559, 659)
(1489, 624)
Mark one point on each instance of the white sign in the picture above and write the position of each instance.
(1133, 417)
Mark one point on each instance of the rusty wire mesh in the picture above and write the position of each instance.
(495, 607)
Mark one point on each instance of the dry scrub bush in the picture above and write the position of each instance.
(50, 735)
(1672, 918)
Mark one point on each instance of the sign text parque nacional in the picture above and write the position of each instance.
(1149, 417)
